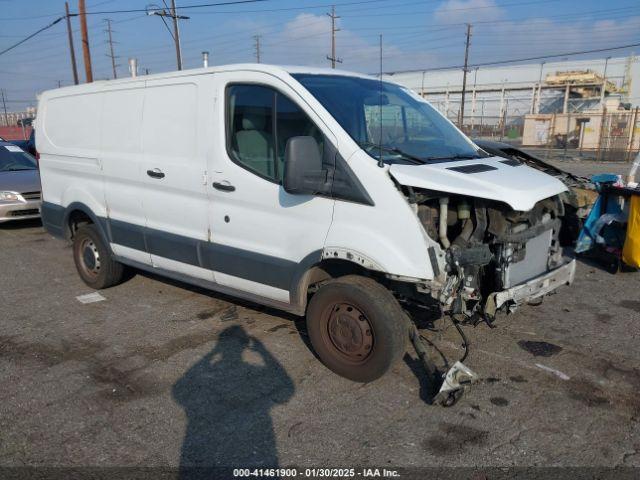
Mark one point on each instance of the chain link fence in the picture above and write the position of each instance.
(582, 133)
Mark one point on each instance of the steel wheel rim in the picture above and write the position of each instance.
(349, 332)
(89, 257)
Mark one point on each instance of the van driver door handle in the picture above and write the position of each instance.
(155, 173)
(225, 187)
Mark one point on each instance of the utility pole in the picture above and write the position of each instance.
(333, 59)
(464, 76)
(176, 34)
(604, 80)
(380, 162)
(176, 31)
(539, 96)
(257, 47)
(71, 49)
(111, 55)
(85, 41)
(381, 57)
(474, 99)
(4, 106)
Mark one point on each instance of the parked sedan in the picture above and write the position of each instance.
(19, 184)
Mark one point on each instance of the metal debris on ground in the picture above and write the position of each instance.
(457, 378)
(90, 298)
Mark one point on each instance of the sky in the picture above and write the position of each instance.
(416, 34)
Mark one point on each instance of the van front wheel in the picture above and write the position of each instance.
(357, 327)
(93, 260)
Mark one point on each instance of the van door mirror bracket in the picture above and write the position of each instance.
(303, 170)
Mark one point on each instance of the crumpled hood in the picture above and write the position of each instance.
(494, 178)
(21, 181)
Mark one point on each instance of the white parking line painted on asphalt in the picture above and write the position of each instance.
(90, 298)
(557, 373)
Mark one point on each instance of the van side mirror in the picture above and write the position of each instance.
(303, 172)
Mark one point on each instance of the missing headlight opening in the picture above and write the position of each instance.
(486, 247)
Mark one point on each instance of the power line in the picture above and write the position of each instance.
(306, 7)
(57, 20)
(401, 27)
(305, 24)
(184, 7)
(445, 10)
(526, 59)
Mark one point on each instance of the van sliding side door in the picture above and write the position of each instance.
(121, 160)
(174, 193)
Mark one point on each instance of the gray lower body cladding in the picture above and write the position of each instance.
(268, 270)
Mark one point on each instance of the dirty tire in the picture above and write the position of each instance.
(357, 327)
(93, 260)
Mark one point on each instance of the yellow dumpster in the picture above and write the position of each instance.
(631, 250)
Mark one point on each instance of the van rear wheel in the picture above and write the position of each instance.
(357, 327)
(93, 260)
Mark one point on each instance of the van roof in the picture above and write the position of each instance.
(276, 70)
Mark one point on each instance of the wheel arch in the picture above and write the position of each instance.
(77, 213)
(310, 274)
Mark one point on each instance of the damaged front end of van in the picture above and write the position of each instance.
(499, 227)
(494, 225)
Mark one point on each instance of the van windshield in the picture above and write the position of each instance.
(389, 121)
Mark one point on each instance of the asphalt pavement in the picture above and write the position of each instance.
(159, 373)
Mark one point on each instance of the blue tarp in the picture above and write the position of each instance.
(593, 225)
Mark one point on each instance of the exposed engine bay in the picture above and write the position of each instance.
(488, 247)
(579, 198)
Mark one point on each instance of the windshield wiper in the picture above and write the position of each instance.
(455, 157)
(397, 151)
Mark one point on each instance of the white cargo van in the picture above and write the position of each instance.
(320, 192)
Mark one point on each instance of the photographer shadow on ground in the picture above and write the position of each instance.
(227, 397)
